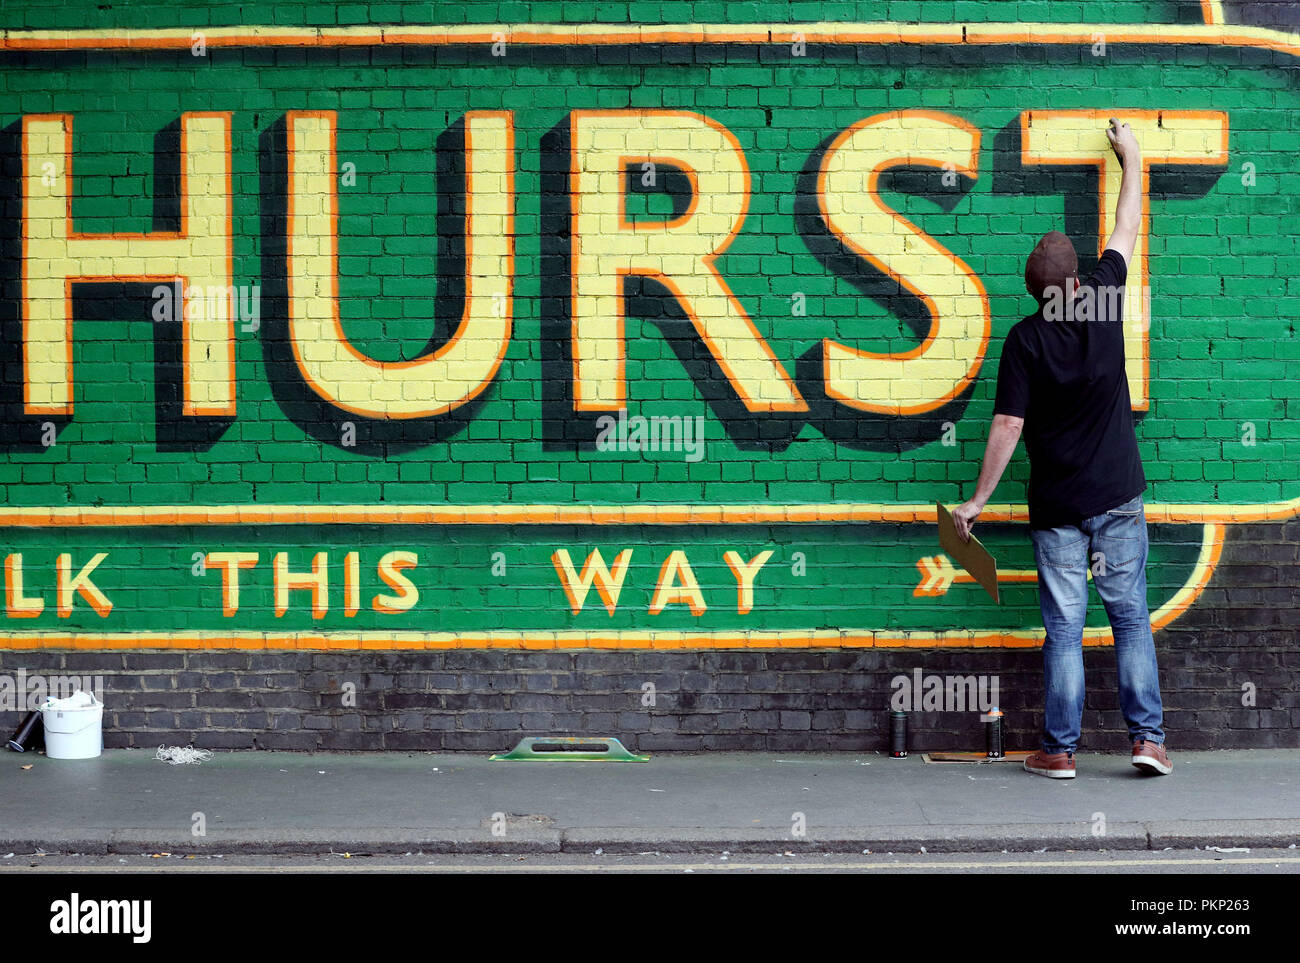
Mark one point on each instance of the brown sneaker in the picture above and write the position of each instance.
(1053, 765)
(1151, 758)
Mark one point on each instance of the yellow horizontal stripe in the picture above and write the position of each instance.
(1217, 34)
(110, 516)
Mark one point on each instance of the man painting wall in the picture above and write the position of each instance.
(1062, 383)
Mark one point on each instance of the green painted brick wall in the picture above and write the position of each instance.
(1225, 362)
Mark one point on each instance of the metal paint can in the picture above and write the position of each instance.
(898, 734)
(993, 748)
(28, 735)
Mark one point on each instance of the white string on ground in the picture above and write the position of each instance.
(182, 755)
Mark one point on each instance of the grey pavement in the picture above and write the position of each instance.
(126, 802)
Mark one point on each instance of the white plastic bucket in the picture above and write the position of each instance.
(72, 730)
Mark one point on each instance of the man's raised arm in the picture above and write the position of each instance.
(1128, 211)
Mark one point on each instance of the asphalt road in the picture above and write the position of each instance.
(1196, 861)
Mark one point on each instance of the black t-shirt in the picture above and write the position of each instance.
(1065, 377)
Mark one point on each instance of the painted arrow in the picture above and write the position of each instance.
(938, 574)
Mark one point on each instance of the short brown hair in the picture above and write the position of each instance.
(1052, 262)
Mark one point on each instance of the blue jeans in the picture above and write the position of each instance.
(1115, 543)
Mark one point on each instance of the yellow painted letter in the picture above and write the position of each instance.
(677, 584)
(199, 255)
(230, 563)
(745, 573)
(317, 581)
(608, 584)
(81, 585)
(678, 254)
(18, 605)
(390, 570)
(454, 373)
(937, 370)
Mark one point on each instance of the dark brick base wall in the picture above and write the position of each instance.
(1245, 628)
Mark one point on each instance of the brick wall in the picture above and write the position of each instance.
(411, 498)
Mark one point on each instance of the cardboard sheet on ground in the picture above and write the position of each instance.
(972, 556)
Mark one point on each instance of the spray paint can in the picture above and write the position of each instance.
(29, 734)
(993, 734)
(898, 734)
